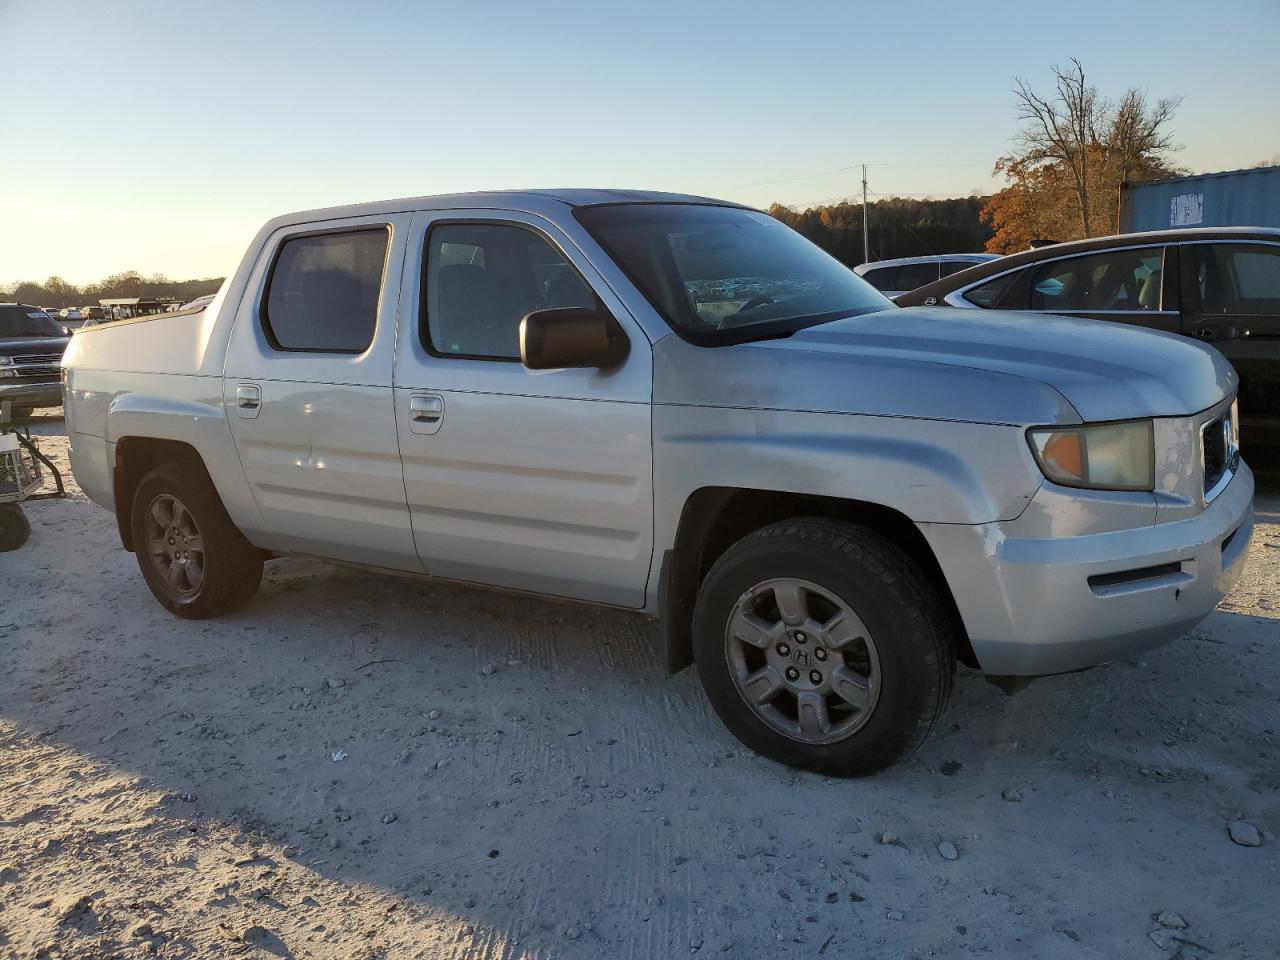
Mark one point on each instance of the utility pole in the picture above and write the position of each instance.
(866, 247)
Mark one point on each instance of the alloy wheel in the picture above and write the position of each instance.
(175, 546)
(802, 660)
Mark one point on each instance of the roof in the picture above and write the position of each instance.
(941, 288)
(929, 258)
(1206, 176)
(134, 301)
(529, 201)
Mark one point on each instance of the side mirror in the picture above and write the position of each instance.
(571, 337)
(66, 331)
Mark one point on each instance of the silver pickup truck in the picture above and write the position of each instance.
(678, 406)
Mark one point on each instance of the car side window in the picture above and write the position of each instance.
(322, 291)
(1237, 278)
(480, 279)
(989, 295)
(880, 278)
(949, 267)
(1112, 280)
(909, 276)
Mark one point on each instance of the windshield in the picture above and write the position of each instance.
(22, 321)
(724, 274)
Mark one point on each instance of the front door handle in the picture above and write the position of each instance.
(426, 412)
(248, 400)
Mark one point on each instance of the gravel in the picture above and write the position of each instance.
(111, 710)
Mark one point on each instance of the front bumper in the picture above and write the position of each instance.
(1041, 605)
(26, 394)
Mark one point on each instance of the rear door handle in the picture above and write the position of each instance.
(1222, 333)
(248, 400)
(426, 412)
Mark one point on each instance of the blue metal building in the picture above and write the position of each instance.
(1236, 198)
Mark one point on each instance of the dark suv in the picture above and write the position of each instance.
(31, 348)
(1221, 285)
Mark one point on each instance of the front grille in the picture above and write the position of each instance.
(38, 374)
(43, 358)
(1216, 447)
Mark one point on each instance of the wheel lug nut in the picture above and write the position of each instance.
(815, 676)
(793, 674)
(783, 649)
(820, 653)
(800, 637)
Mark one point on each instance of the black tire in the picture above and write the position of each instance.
(14, 528)
(913, 638)
(231, 566)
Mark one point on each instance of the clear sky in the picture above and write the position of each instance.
(158, 136)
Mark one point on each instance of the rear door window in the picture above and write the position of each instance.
(948, 267)
(322, 294)
(881, 278)
(912, 275)
(1112, 280)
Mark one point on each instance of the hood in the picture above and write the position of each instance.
(980, 366)
(12, 346)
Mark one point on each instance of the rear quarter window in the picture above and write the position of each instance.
(989, 295)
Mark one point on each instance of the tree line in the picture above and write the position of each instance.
(897, 227)
(56, 292)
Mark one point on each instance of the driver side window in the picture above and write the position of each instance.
(480, 279)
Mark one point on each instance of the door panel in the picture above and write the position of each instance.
(319, 446)
(1231, 293)
(536, 480)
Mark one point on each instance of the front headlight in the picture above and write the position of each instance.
(5, 361)
(1102, 456)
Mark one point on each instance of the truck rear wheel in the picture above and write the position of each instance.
(190, 553)
(821, 644)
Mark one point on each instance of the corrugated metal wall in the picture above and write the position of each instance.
(1238, 198)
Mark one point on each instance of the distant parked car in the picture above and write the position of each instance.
(894, 277)
(1220, 285)
(199, 303)
(70, 313)
(31, 348)
(93, 313)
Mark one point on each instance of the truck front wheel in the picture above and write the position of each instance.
(192, 556)
(821, 644)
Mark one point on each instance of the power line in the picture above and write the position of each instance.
(807, 176)
(836, 170)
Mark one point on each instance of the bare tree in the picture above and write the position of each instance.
(1094, 144)
(1137, 132)
(1062, 128)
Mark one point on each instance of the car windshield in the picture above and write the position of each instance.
(727, 275)
(20, 321)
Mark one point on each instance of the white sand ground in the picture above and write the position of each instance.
(373, 766)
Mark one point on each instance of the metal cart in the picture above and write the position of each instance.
(20, 476)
